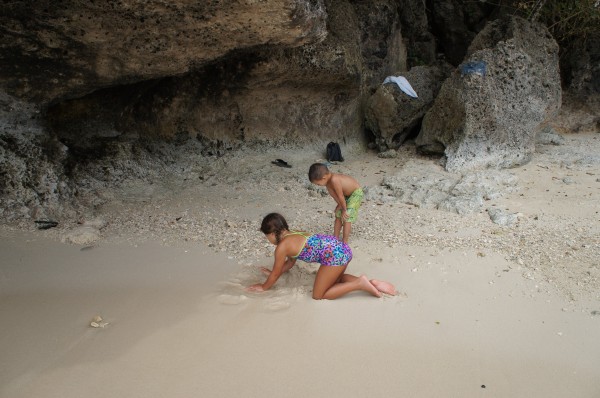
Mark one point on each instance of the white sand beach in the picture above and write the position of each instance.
(484, 310)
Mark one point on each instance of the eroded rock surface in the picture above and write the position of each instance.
(490, 119)
(59, 49)
(391, 115)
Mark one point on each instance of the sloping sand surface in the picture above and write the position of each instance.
(484, 310)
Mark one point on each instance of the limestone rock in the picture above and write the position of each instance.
(501, 217)
(55, 50)
(392, 116)
(81, 236)
(31, 164)
(491, 119)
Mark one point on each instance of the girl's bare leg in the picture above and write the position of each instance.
(331, 283)
(384, 287)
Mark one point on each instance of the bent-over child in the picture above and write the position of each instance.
(331, 281)
(346, 192)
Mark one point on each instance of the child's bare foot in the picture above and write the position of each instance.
(265, 271)
(366, 285)
(384, 287)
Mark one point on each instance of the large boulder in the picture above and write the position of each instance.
(391, 115)
(488, 111)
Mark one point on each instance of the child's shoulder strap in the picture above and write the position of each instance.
(302, 233)
(306, 235)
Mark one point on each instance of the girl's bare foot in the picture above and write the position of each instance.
(265, 271)
(384, 287)
(366, 285)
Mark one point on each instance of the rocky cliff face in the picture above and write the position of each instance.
(203, 69)
(107, 83)
(58, 49)
(103, 79)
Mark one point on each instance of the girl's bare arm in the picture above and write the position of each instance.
(289, 263)
(279, 267)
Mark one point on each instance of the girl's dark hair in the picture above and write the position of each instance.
(274, 222)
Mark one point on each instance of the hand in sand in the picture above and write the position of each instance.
(255, 288)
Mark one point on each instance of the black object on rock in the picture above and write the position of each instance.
(45, 224)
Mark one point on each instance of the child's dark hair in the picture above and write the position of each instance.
(317, 171)
(274, 222)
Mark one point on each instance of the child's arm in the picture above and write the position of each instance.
(289, 263)
(282, 264)
(336, 192)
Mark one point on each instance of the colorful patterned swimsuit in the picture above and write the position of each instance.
(324, 249)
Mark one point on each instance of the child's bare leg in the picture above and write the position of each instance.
(348, 278)
(337, 227)
(331, 283)
(346, 231)
(384, 287)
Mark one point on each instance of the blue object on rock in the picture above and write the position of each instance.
(473, 68)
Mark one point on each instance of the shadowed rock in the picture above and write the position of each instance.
(52, 50)
(391, 115)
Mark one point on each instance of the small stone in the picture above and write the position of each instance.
(389, 154)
